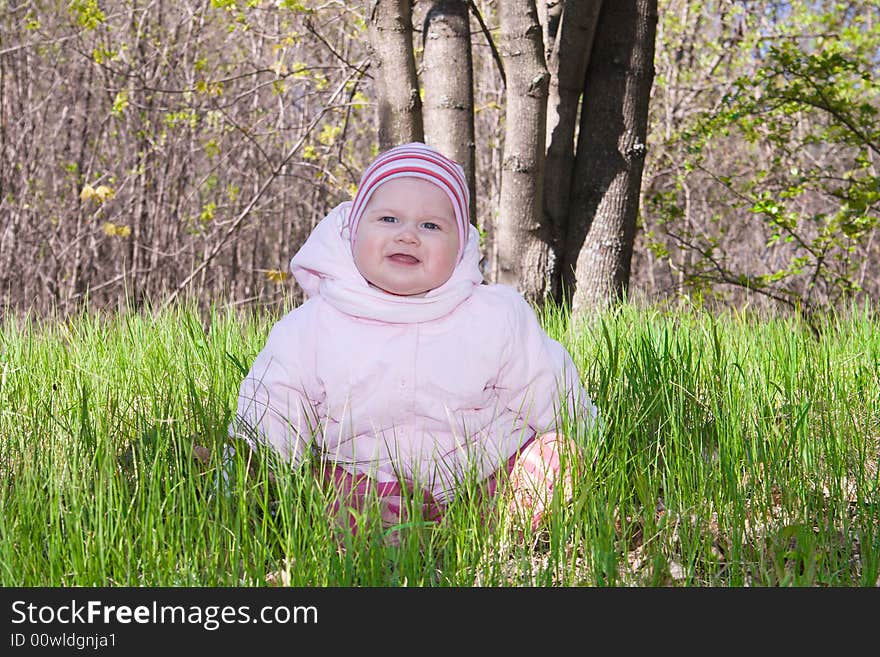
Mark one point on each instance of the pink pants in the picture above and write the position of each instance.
(537, 459)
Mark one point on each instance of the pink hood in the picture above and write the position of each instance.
(324, 266)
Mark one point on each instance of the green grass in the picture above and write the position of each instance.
(735, 451)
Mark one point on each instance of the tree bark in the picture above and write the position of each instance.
(447, 78)
(399, 103)
(574, 38)
(610, 155)
(522, 241)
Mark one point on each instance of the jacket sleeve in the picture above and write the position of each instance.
(538, 381)
(278, 398)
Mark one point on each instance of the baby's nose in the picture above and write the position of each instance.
(407, 234)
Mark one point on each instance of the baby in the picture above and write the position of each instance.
(402, 371)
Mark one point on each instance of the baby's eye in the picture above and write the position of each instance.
(430, 225)
(388, 219)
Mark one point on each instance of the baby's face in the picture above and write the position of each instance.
(407, 238)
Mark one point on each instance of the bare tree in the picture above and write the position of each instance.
(150, 151)
(611, 149)
(447, 76)
(523, 240)
(398, 99)
(568, 41)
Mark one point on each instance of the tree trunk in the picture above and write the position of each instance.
(399, 103)
(574, 37)
(610, 155)
(447, 77)
(522, 244)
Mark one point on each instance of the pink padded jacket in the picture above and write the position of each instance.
(433, 389)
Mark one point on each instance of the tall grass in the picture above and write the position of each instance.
(734, 451)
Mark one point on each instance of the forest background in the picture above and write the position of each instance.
(154, 150)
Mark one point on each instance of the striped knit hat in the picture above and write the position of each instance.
(415, 160)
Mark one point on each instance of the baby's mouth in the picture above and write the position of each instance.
(403, 259)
